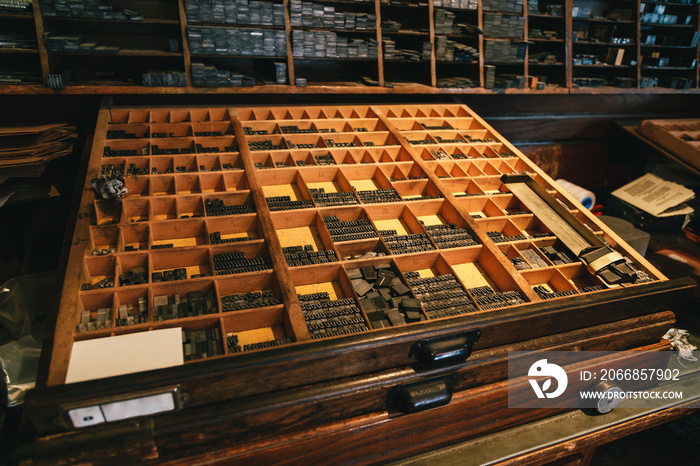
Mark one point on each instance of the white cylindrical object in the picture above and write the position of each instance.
(584, 196)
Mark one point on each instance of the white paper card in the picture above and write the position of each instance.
(658, 197)
(125, 354)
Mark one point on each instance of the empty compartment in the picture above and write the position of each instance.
(137, 186)
(350, 112)
(463, 187)
(333, 126)
(257, 329)
(162, 185)
(186, 233)
(164, 208)
(103, 240)
(131, 307)
(219, 114)
(394, 154)
(443, 224)
(275, 159)
(498, 150)
(447, 170)
(232, 182)
(180, 265)
(252, 292)
(170, 130)
(158, 115)
(119, 116)
(228, 204)
(491, 185)
(511, 205)
(94, 312)
(98, 272)
(327, 301)
(233, 229)
(187, 184)
(304, 238)
(417, 190)
(184, 300)
(435, 285)
(486, 280)
(240, 258)
(199, 114)
(532, 227)
(135, 210)
(549, 283)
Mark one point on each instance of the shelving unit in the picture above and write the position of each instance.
(434, 46)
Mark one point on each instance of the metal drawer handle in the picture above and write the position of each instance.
(419, 396)
(457, 346)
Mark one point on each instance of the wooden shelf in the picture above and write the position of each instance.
(603, 20)
(22, 51)
(121, 53)
(150, 21)
(602, 44)
(236, 26)
(16, 16)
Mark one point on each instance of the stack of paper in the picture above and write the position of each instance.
(26, 150)
(658, 197)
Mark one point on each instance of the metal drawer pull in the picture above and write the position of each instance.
(458, 346)
(420, 396)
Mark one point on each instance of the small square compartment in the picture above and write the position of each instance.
(263, 160)
(100, 317)
(231, 162)
(297, 127)
(366, 179)
(266, 143)
(258, 291)
(136, 210)
(447, 170)
(443, 224)
(219, 114)
(162, 185)
(134, 237)
(484, 277)
(136, 166)
(517, 259)
(303, 230)
(327, 278)
(478, 135)
(361, 250)
(246, 257)
(275, 159)
(161, 165)
(417, 190)
(172, 146)
(120, 116)
(195, 262)
(99, 270)
(498, 151)
(304, 141)
(125, 148)
(456, 152)
(131, 307)
(124, 131)
(157, 115)
(186, 233)
(476, 151)
(211, 183)
(256, 329)
(581, 278)
(549, 283)
(260, 128)
(492, 185)
(187, 184)
(236, 203)
(164, 208)
(177, 116)
(196, 299)
(284, 189)
(160, 131)
(367, 125)
(233, 229)
(216, 145)
(393, 223)
(420, 139)
(435, 284)
(482, 207)
(348, 224)
(349, 113)
(208, 163)
(378, 139)
(342, 140)
(137, 186)
(393, 154)
(448, 137)
(105, 238)
(328, 187)
(532, 227)
(212, 129)
(471, 168)
(129, 271)
(232, 181)
(533, 255)
(463, 187)
(201, 334)
(463, 123)
(332, 126)
(502, 230)
(189, 206)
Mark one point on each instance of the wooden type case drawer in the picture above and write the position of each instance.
(241, 200)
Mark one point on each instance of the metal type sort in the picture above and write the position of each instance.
(387, 301)
(211, 76)
(511, 6)
(450, 236)
(504, 51)
(531, 256)
(326, 159)
(135, 276)
(164, 79)
(162, 246)
(266, 145)
(236, 262)
(216, 207)
(102, 319)
(196, 303)
(97, 9)
(329, 318)
(200, 344)
(119, 134)
(237, 42)
(519, 263)
(456, 4)
(322, 198)
(545, 293)
(234, 346)
(498, 237)
(309, 14)
(501, 25)
(254, 12)
(305, 255)
(104, 283)
(348, 230)
(405, 244)
(127, 314)
(107, 152)
(326, 44)
(378, 196)
(558, 254)
(441, 296)
(249, 300)
(285, 203)
(487, 299)
(208, 150)
(215, 238)
(103, 251)
(169, 275)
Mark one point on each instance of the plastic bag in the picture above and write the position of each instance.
(23, 304)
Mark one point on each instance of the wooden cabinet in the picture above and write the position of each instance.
(313, 259)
